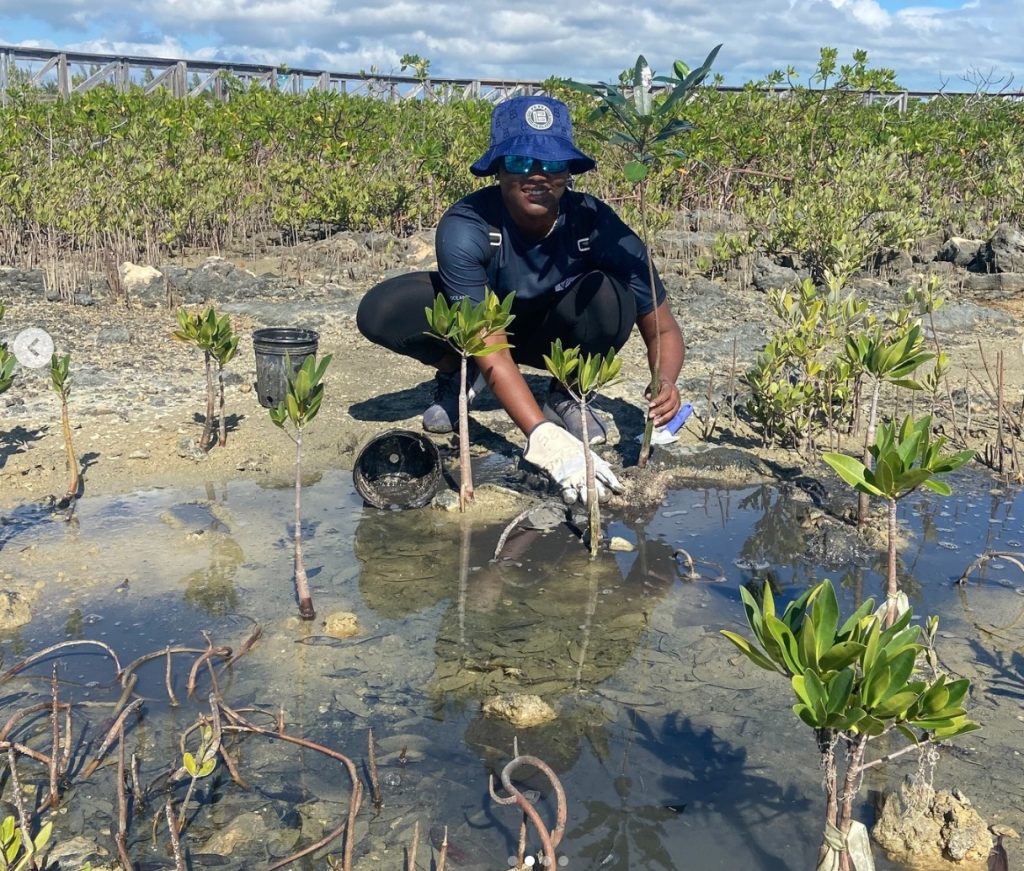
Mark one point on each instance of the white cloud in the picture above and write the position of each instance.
(533, 39)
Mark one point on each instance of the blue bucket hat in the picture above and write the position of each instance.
(537, 127)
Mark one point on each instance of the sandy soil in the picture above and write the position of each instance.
(141, 394)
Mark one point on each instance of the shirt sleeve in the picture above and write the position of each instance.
(463, 253)
(620, 252)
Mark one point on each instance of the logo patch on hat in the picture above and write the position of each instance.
(539, 117)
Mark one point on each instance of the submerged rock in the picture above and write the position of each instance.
(14, 610)
(929, 831)
(521, 710)
(341, 624)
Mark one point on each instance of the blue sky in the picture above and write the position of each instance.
(955, 44)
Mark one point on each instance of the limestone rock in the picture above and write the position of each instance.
(519, 709)
(959, 251)
(244, 829)
(930, 831)
(341, 624)
(14, 610)
(620, 544)
(145, 284)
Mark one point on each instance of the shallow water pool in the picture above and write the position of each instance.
(674, 752)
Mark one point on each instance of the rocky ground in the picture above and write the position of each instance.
(137, 399)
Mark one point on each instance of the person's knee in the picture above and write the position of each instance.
(367, 315)
(604, 312)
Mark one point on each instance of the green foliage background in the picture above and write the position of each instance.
(817, 172)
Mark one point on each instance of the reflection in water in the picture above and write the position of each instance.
(674, 755)
(702, 774)
(213, 589)
(545, 619)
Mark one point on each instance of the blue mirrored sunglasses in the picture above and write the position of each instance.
(518, 164)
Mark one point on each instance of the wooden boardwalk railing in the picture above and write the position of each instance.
(62, 73)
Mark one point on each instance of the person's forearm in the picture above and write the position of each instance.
(511, 390)
(673, 354)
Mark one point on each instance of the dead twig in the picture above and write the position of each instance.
(108, 740)
(19, 804)
(375, 793)
(507, 531)
(172, 828)
(549, 840)
(411, 864)
(54, 739)
(121, 838)
(42, 654)
(238, 723)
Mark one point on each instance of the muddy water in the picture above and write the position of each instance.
(674, 752)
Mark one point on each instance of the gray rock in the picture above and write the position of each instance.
(959, 251)
(927, 247)
(711, 221)
(684, 244)
(955, 317)
(997, 285)
(1006, 249)
(188, 448)
(768, 275)
(893, 260)
(21, 283)
(113, 334)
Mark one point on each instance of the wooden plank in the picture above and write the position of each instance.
(98, 77)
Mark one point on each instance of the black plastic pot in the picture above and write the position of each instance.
(280, 352)
(397, 469)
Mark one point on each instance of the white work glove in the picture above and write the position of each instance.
(560, 454)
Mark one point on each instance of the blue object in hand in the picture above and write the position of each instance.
(674, 425)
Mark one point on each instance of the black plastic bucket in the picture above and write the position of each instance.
(398, 469)
(272, 346)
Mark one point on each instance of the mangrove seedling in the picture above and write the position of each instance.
(582, 375)
(215, 338)
(14, 855)
(198, 766)
(299, 407)
(905, 458)
(642, 126)
(225, 344)
(60, 379)
(7, 362)
(854, 682)
(885, 358)
(471, 330)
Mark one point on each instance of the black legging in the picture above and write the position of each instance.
(596, 312)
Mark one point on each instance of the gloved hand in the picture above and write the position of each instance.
(560, 454)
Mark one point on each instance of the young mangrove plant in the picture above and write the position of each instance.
(467, 328)
(886, 357)
(215, 338)
(196, 767)
(642, 126)
(905, 458)
(14, 855)
(299, 407)
(7, 362)
(582, 375)
(854, 682)
(60, 380)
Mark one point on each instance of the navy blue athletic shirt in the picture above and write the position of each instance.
(587, 236)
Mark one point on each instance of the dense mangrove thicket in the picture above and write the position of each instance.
(816, 172)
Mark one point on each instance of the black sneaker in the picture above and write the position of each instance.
(443, 415)
(560, 408)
